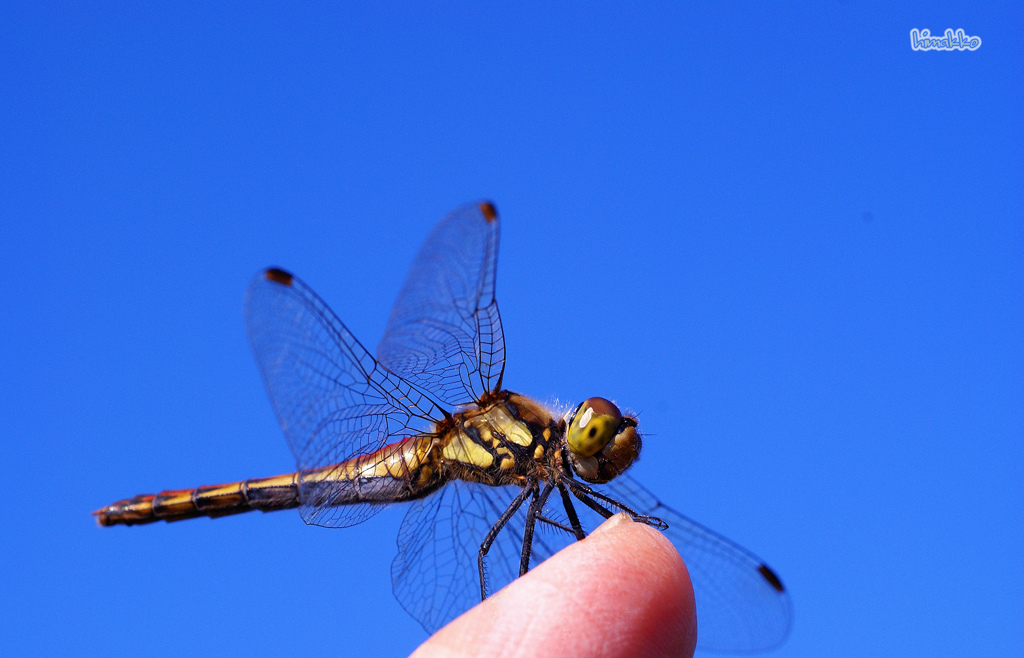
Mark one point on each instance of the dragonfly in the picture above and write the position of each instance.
(494, 481)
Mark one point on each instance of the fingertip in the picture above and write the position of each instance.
(623, 591)
(613, 522)
(652, 579)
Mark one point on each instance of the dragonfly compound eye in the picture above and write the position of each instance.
(593, 426)
(602, 444)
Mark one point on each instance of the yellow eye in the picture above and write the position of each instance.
(592, 426)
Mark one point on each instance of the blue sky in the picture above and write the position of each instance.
(803, 242)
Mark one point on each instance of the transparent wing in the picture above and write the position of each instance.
(435, 575)
(444, 333)
(741, 604)
(332, 399)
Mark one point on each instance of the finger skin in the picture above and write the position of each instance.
(622, 591)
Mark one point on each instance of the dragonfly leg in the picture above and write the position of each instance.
(556, 524)
(493, 534)
(586, 495)
(600, 509)
(570, 510)
(536, 506)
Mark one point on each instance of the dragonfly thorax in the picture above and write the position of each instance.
(506, 439)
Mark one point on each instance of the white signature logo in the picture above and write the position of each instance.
(923, 40)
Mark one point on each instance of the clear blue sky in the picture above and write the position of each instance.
(811, 238)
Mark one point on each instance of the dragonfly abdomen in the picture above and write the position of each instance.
(265, 494)
(400, 471)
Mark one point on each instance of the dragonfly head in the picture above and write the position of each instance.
(602, 442)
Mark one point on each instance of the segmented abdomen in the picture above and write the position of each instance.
(400, 471)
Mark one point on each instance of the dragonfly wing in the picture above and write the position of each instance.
(332, 399)
(741, 604)
(444, 333)
(435, 575)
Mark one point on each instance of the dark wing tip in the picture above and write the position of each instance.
(770, 576)
(278, 276)
(489, 211)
